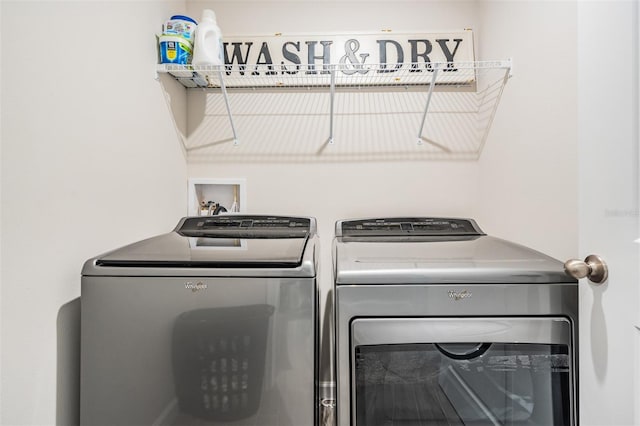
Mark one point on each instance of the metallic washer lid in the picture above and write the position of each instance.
(232, 253)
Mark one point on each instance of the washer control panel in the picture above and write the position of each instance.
(246, 226)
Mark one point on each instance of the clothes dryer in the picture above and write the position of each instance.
(438, 323)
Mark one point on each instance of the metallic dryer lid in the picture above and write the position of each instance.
(233, 245)
(464, 257)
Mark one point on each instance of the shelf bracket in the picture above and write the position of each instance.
(332, 94)
(426, 108)
(223, 89)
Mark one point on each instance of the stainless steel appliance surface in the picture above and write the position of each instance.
(438, 323)
(213, 323)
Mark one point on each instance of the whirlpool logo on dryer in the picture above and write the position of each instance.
(195, 286)
(459, 295)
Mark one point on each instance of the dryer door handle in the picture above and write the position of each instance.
(593, 268)
(461, 351)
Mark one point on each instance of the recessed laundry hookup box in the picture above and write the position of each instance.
(209, 196)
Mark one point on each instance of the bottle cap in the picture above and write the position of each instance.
(208, 15)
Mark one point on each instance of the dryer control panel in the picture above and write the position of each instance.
(407, 226)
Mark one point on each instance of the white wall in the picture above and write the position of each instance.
(242, 17)
(90, 162)
(528, 170)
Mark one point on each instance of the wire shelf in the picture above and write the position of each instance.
(337, 112)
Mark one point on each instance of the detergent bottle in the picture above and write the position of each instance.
(207, 47)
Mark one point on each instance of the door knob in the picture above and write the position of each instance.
(593, 268)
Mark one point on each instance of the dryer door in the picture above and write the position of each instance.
(462, 371)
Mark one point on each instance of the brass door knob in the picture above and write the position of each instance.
(593, 268)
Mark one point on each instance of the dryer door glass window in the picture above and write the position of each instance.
(463, 384)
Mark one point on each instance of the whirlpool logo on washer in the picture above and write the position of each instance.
(195, 287)
(459, 295)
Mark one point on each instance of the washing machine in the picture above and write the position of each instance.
(214, 323)
(439, 323)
